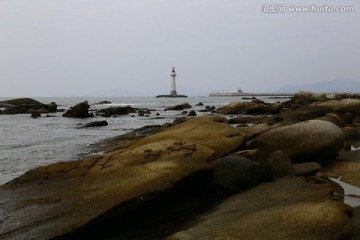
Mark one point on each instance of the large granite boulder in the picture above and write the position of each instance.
(285, 209)
(80, 110)
(54, 200)
(309, 141)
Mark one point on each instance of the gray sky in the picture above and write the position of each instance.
(76, 47)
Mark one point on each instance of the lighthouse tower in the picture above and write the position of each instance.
(173, 84)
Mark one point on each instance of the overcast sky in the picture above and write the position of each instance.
(78, 47)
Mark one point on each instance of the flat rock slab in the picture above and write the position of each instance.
(289, 208)
(54, 200)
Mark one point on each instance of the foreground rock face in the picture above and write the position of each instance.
(286, 209)
(313, 140)
(54, 200)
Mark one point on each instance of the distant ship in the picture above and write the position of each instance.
(240, 93)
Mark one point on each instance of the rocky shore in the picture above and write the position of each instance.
(248, 170)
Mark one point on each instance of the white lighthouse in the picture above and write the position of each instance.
(173, 83)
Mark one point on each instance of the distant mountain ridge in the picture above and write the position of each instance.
(336, 85)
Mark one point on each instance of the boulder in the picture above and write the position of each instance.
(306, 169)
(285, 209)
(199, 104)
(178, 107)
(19, 101)
(26, 105)
(192, 113)
(102, 103)
(234, 173)
(306, 98)
(54, 200)
(253, 107)
(313, 140)
(334, 118)
(280, 165)
(113, 111)
(80, 110)
(343, 106)
(252, 131)
(95, 124)
(305, 113)
(35, 115)
(16, 109)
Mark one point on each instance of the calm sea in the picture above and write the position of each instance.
(26, 143)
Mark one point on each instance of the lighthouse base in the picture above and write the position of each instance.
(171, 96)
(173, 93)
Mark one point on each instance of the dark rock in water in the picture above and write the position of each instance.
(81, 110)
(16, 109)
(26, 105)
(305, 113)
(309, 141)
(102, 102)
(192, 113)
(234, 173)
(52, 107)
(35, 115)
(108, 112)
(280, 164)
(19, 101)
(95, 124)
(178, 107)
(208, 109)
(199, 104)
(184, 112)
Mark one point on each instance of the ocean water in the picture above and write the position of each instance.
(26, 143)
